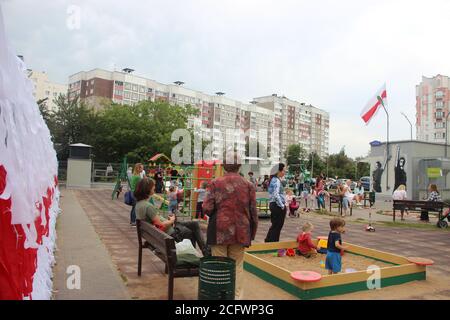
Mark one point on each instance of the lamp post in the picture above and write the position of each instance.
(387, 142)
(446, 133)
(410, 124)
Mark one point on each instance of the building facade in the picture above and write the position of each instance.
(432, 108)
(298, 124)
(275, 122)
(43, 88)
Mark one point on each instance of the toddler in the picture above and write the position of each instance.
(333, 261)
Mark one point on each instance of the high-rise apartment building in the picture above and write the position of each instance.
(432, 108)
(43, 88)
(275, 122)
(298, 123)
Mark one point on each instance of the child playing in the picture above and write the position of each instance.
(306, 247)
(201, 196)
(173, 199)
(305, 196)
(312, 196)
(289, 197)
(333, 261)
(293, 207)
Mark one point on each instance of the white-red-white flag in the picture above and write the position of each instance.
(374, 105)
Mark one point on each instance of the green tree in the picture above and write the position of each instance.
(295, 155)
(138, 131)
(72, 122)
(316, 165)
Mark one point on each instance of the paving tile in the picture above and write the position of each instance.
(111, 221)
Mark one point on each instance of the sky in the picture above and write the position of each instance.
(334, 55)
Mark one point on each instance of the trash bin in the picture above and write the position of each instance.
(217, 278)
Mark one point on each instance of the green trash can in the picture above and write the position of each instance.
(217, 278)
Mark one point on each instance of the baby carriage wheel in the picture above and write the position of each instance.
(442, 224)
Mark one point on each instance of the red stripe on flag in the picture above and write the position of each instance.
(369, 114)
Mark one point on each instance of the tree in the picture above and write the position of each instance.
(138, 131)
(295, 154)
(319, 164)
(72, 122)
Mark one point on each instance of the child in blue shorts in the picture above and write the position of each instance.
(333, 260)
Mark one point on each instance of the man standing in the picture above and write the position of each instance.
(233, 219)
(251, 178)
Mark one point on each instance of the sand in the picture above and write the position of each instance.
(297, 263)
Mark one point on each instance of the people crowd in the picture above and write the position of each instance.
(229, 205)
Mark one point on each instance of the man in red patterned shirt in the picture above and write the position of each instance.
(233, 219)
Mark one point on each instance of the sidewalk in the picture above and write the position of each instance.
(78, 244)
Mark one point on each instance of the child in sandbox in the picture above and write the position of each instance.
(306, 247)
(333, 261)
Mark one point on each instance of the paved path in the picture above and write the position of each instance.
(110, 219)
(78, 244)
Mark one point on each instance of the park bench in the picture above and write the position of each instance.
(163, 246)
(262, 205)
(370, 197)
(336, 198)
(416, 205)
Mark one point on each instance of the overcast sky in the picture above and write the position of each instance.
(332, 54)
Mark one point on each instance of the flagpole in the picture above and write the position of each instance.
(387, 142)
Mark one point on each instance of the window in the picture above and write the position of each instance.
(439, 94)
(55, 94)
(439, 104)
(92, 91)
(119, 83)
(141, 97)
(118, 92)
(47, 93)
(127, 86)
(149, 90)
(135, 87)
(92, 82)
(439, 115)
(135, 96)
(127, 95)
(141, 89)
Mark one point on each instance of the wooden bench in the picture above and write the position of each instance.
(163, 246)
(369, 196)
(336, 198)
(262, 205)
(413, 205)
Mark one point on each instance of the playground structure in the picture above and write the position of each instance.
(400, 270)
(188, 179)
(298, 168)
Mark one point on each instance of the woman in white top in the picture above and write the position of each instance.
(400, 194)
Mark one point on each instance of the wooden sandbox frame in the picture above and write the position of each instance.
(401, 271)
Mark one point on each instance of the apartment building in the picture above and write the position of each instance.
(298, 123)
(275, 122)
(43, 88)
(432, 108)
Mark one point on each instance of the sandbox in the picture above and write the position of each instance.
(394, 269)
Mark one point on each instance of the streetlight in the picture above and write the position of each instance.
(446, 133)
(410, 124)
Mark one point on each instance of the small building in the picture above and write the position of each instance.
(413, 163)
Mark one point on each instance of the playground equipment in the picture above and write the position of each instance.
(122, 176)
(190, 178)
(398, 270)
